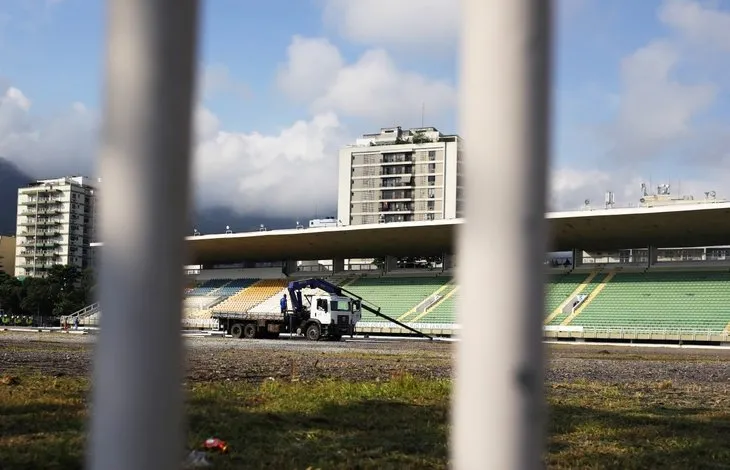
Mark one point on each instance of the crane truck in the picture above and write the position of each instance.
(330, 312)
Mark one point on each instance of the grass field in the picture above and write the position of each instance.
(297, 419)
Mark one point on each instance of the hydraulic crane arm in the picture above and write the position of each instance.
(295, 290)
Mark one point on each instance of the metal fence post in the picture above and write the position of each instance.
(504, 111)
(150, 72)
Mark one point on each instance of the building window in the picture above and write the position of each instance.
(431, 180)
(432, 168)
(431, 205)
(432, 155)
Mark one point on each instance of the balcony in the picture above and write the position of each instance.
(41, 201)
(389, 158)
(396, 207)
(39, 254)
(402, 170)
(408, 181)
(36, 266)
(41, 233)
(390, 195)
(45, 222)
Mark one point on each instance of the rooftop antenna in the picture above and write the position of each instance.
(610, 200)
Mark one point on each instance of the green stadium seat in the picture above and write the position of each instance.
(395, 296)
(657, 300)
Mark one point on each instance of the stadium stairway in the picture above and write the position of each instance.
(429, 303)
(558, 289)
(443, 311)
(601, 284)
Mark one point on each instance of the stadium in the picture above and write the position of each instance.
(656, 277)
(631, 275)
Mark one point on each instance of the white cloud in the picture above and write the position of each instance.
(288, 174)
(311, 69)
(661, 126)
(373, 87)
(54, 145)
(700, 24)
(655, 109)
(422, 23)
(570, 187)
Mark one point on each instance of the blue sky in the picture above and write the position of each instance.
(639, 92)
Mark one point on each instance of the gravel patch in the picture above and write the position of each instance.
(216, 359)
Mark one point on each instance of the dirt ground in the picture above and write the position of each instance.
(216, 359)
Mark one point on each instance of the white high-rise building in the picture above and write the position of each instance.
(56, 223)
(400, 175)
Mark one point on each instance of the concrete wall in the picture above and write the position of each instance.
(7, 254)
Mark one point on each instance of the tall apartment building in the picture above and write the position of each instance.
(56, 224)
(400, 175)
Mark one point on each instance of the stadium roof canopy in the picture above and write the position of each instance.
(605, 229)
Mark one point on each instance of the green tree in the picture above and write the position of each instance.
(39, 296)
(66, 285)
(11, 293)
(64, 290)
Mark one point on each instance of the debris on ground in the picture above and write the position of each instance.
(9, 380)
(197, 459)
(213, 443)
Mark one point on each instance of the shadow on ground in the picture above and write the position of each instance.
(640, 438)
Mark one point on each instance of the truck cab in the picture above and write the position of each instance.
(332, 316)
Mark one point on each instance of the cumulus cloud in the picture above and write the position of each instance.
(48, 146)
(288, 174)
(373, 87)
(311, 69)
(655, 109)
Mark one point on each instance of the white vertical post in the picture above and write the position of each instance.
(504, 111)
(144, 163)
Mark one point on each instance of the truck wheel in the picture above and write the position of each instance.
(313, 332)
(237, 330)
(249, 331)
